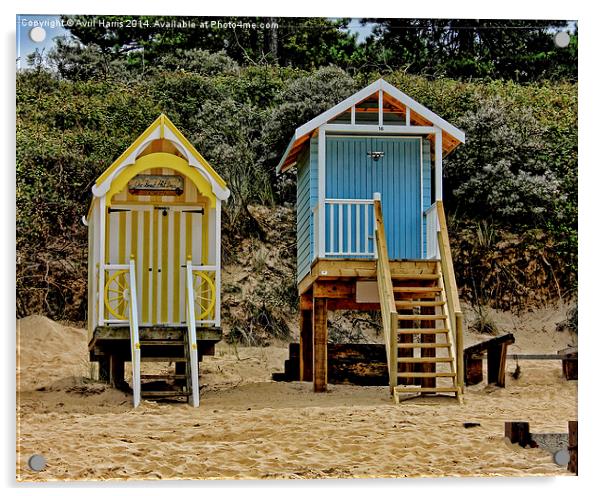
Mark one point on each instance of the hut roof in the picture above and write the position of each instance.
(394, 100)
(162, 128)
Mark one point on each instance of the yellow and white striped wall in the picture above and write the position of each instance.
(161, 233)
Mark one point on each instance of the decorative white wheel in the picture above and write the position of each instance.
(117, 295)
(204, 294)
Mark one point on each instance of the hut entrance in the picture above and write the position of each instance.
(163, 238)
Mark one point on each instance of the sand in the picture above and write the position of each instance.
(251, 427)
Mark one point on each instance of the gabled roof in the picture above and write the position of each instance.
(162, 128)
(420, 116)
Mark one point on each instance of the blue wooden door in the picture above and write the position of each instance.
(353, 173)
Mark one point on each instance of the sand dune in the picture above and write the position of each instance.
(250, 427)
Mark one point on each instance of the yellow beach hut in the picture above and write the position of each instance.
(154, 231)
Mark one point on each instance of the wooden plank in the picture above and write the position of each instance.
(418, 389)
(425, 360)
(429, 381)
(426, 375)
(423, 345)
(320, 335)
(336, 289)
(473, 370)
(418, 303)
(416, 289)
(429, 318)
(420, 330)
(518, 432)
(516, 356)
(496, 364)
(573, 428)
(306, 345)
(483, 346)
(117, 371)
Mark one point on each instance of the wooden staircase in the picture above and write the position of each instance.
(173, 350)
(426, 361)
(422, 319)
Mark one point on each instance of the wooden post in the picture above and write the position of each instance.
(460, 351)
(428, 382)
(496, 364)
(117, 371)
(320, 332)
(305, 345)
(518, 432)
(572, 466)
(104, 369)
(473, 370)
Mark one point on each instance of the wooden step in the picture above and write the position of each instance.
(418, 389)
(424, 359)
(164, 394)
(417, 289)
(162, 342)
(426, 375)
(422, 317)
(412, 304)
(159, 377)
(419, 330)
(422, 345)
(415, 277)
(163, 359)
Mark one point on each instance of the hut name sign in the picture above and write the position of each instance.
(156, 185)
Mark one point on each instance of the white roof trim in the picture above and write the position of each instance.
(422, 110)
(218, 191)
(378, 85)
(337, 109)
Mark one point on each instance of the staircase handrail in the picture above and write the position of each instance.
(451, 290)
(192, 346)
(134, 332)
(385, 292)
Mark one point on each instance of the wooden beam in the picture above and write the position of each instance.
(334, 289)
(320, 333)
(572, 466)
(518, 432)
(117, 371)
(306, 345)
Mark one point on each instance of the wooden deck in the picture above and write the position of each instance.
(341, 284)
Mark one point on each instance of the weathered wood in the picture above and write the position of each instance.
(348, 363)
(496, 364)
(473, 370)
(518, 432)
(386, 295)
(104, 368)
(306, 345)
(569, 363)
(572, 466)
(117, 371)
(545, 356)
(459, 347)
(320, 335)
(428, 367)
(325, 269)
(483, 346)
(334, 289)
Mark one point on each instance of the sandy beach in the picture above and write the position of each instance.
(251, 427)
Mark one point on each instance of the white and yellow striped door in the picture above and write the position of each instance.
(161, 238)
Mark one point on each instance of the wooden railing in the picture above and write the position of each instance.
(191, 322)
(432, 228)
(385, 293)
(134, 335)
(349, 227)
(454, 311)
